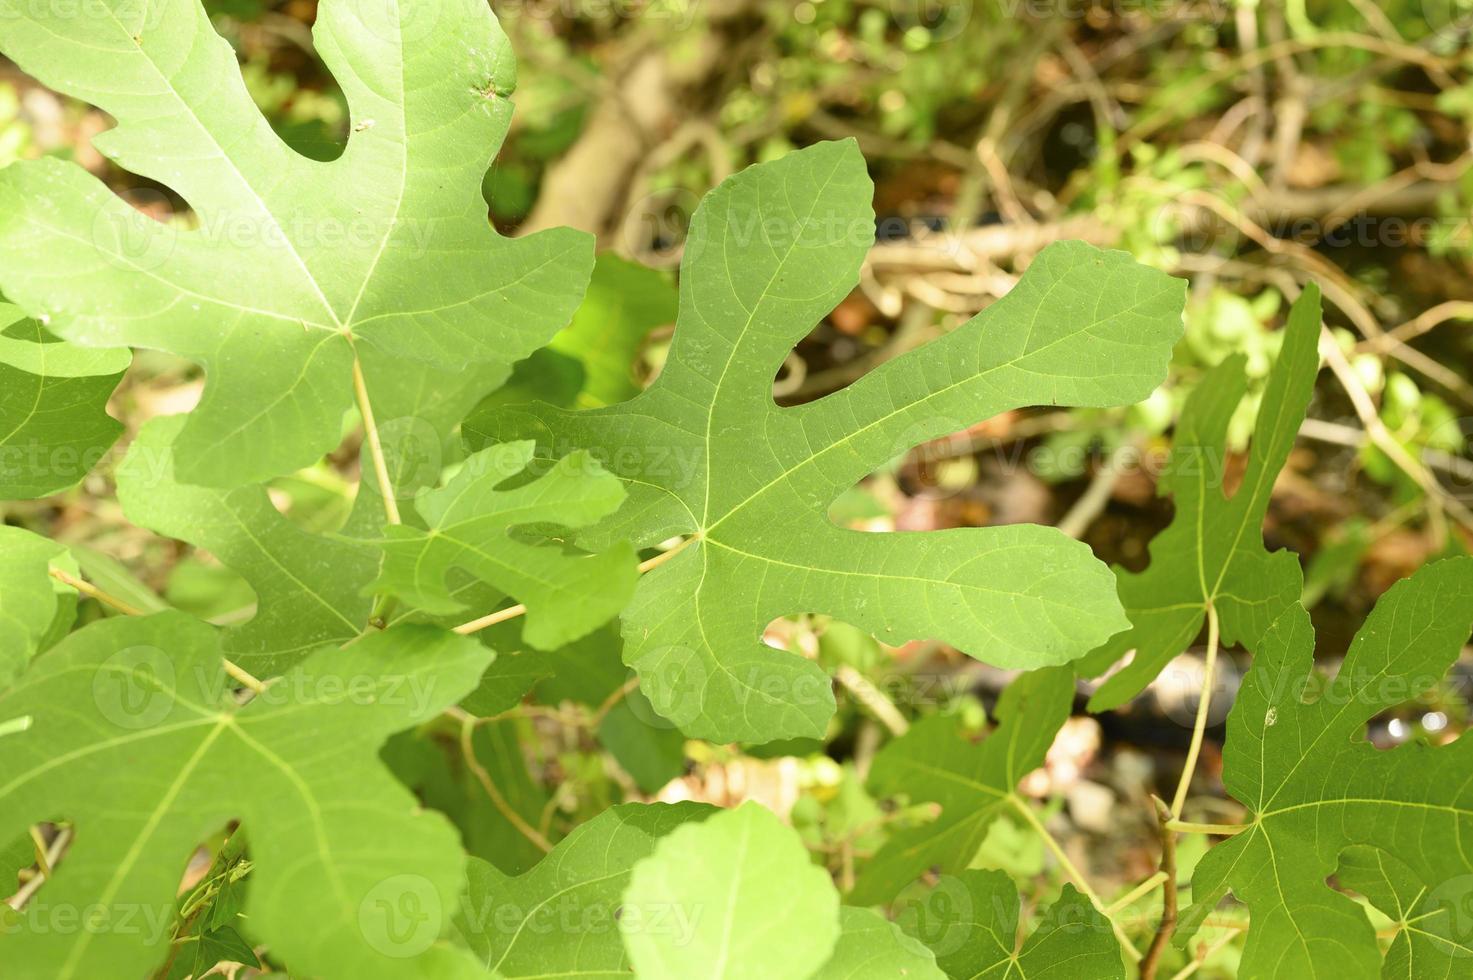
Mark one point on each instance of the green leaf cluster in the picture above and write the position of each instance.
(349, 757)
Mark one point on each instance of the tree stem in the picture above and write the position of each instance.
(1169, 904)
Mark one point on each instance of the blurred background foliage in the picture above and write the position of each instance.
(1247, 145)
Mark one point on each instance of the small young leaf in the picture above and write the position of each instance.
(54, 425)
(734, 896)
(296, 262)
(137, 739)
(937, 761)
(1213, 553)
(469, 526)
(562, 918)
(971, 921)
(707, 453)
(1297, 757)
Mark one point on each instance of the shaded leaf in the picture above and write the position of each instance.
(939, 761)
(54, 426)
(624, 302)
(562, 918)
(29, 598)
(1433, 936)
(308, 586)
(590, 672)
(972, 922)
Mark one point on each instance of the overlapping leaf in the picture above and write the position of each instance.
(625, 301)
(1433, 931)
(296, 263)
(54, 425)
(871, 947)
(972, 922)
(31, 601)
(733, 896)
(470, 524)
(563, 918)
(136, 737)
(1297, 757)
(707, 453)
(308, 586)
(1213, 553)
(939, 761)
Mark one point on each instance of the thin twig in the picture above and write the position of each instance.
(1137, 893)
(1204, 704)
(53, 855)
(619, 694)
(1075, 875)
(468, 750)
(1203, 956)
(375, 446)
(872, 698)
(1212, 829)
(520, 609)
(244, 677)
(1360, 400)
(88, 589)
